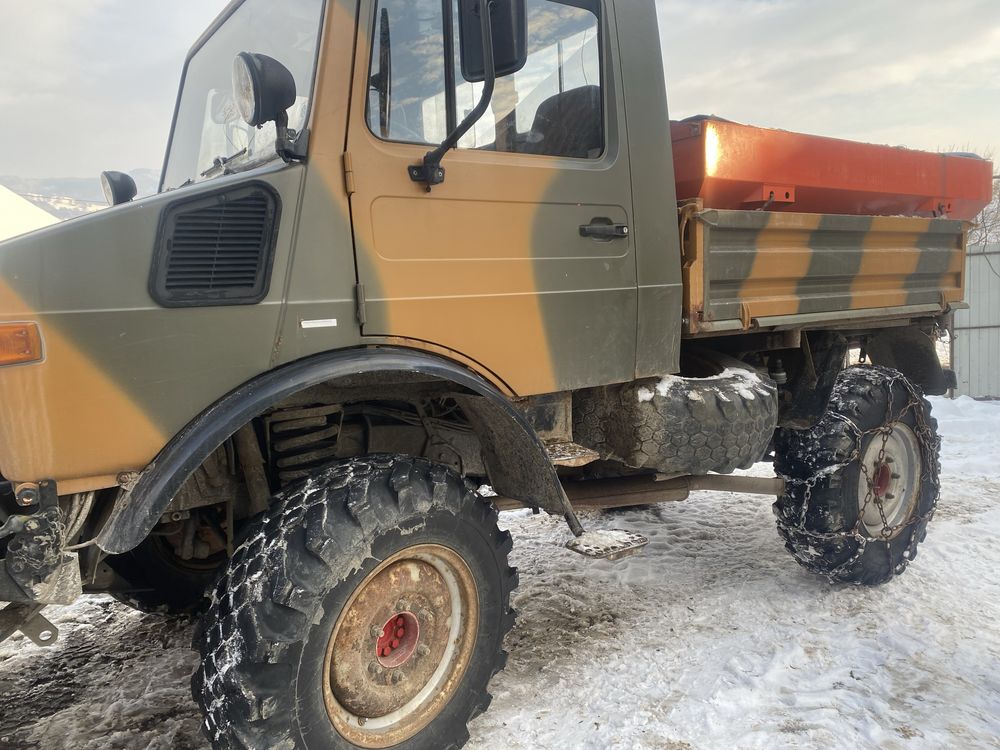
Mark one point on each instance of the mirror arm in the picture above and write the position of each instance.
(291, 145)
(430, 172)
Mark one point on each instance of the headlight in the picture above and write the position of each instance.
(263, 88)
(118, 187)
(244, 90)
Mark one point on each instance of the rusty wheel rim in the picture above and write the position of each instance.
(401, 646)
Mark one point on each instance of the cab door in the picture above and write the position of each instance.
(508, 263)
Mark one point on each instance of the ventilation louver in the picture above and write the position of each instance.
(216, 249)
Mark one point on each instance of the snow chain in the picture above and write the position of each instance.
(929, 444)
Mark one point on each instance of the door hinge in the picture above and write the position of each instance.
(359, 303)
(349, 173)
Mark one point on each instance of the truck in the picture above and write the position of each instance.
(407, 250)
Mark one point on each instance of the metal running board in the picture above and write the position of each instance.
(610, 544)
(570, 454)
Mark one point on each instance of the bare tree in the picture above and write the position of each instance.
(986, 229)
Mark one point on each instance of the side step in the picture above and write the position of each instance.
(570, 455)
(610, 544)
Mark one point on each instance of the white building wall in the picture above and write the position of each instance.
(976, 352)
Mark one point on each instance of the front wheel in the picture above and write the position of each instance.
(862, 485)
(368, 610)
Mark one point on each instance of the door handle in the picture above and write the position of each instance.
(604, 229)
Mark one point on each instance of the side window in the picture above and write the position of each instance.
(406, 83)
(552, 107)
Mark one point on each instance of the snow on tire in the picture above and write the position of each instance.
(862, 485)
(367, 609)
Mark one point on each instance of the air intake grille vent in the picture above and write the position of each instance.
(217, 249)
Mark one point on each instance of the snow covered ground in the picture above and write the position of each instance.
(713, 638)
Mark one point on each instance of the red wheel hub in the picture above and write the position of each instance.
(881, 480)
(398, 640)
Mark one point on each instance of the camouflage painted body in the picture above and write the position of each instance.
(750, 269)
(488, 270)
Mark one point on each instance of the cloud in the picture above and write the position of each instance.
(91, 86)
(920, 74)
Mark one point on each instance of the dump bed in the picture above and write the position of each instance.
(745, 270)
(733, 166)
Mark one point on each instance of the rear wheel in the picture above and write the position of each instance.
(367, 610)
(862, 484)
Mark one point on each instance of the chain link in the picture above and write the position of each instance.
(929, 445)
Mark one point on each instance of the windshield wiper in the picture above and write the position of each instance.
(220, 163)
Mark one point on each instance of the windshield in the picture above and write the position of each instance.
(207, 125)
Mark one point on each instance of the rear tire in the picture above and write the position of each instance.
(859, 495)
(297, 644)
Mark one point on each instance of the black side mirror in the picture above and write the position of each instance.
(118, 187)
(509, 19)
(263, 87)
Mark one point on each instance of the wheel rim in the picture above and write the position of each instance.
(401, 646)
(892, 478)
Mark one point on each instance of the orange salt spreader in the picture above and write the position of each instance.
(734, 166)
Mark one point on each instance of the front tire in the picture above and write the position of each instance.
(862, 485)
(367, 610)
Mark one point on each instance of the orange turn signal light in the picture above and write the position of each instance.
(20, 343)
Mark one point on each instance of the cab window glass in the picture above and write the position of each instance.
(407, 76)
(552, 106)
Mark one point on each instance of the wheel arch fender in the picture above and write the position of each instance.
(515, 457)
(912, 351)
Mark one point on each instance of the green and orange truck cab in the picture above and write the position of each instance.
(302, 291)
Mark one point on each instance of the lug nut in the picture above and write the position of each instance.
(376, 631)
(427, 615)
(402, 605)
(375, 668)
(423, 649)
(397, 677)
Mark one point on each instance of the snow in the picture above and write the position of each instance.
(747, 383)
(712, 638)
(18, 216)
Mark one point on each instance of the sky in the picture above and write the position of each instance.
(88, 86)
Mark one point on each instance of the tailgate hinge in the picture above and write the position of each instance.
(359, 304)
(349, 173)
